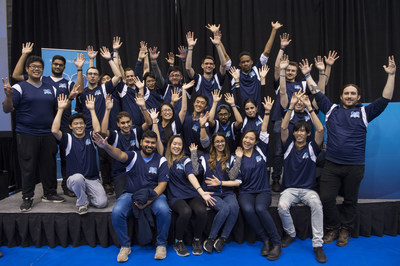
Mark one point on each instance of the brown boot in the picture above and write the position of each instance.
(343, 238)
(330, 235)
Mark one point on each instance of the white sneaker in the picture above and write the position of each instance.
(123, 254)
(161, 253)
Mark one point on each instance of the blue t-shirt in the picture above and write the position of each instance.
(297, 116)
(153, 98)
(291, 87)
(253, 123)
(230, 133)
(167, 97)
(176, 128)
(205, 86)
(300, 165)
(179, 186)
(80, 155)
(347, 129)
(34, 108)
(253, 171)
(128, 104)
(191, 132)
(142, 174)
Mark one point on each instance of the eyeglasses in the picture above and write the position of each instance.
(223, 114)
(36, 67)
(175, 76)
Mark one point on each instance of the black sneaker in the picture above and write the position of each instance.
(109, 190)
(276, 187)
(180, 249)
(265, 248)
(26, 205)
(53, 198)
(208, 245)
(320, 255)
(197, 249)
(69, 193)
(275, 253)
(219, 244)
(287, 240)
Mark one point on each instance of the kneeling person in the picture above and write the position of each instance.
(81, 164)
(299, 176)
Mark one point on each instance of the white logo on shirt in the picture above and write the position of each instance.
(153, 170)
(355, 114)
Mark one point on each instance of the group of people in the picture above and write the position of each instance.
(158, 156)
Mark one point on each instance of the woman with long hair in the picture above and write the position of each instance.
(220, 165)
(185, 196)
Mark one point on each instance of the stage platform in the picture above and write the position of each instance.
(56, 224)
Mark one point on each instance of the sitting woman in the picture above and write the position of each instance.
(183, 196)
(254, 190)
(218, 164)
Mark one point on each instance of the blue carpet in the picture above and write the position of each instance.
(360, 251)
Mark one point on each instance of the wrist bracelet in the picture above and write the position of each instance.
(109, 59)
(322, 73)
(289, 110)
(198, 188)
(115, 50)
(267, 113)
(310, 111)
(80, 69)
(283, 48)
(282, 75)
(233, 106)
(308, 75)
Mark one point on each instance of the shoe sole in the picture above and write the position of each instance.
(181, 255)
(52, 201)
(208, 251)
(197, 253)
(25, 210)
(82, 213)
(341, 244)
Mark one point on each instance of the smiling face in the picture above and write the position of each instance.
(299, 106)
(166, 112)
(57, 68)
(223, 116)
(129, 76)
(199, 105)
(291, 73)
(125, 124)
(175, 77)
(35, 70)
(349, 97)
(250, 110)
(245, 64)
(219, 143)
(249, 140)
(301, 135)
(78, 127)
(208, 66)
(176, 146)
(105, 78)
(148, 145)
(150, 83)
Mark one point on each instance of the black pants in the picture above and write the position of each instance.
(63, 160)
(105, 161)
(334, 176)
(184, 209)
(37, 152)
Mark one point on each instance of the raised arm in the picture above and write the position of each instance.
(191, 41)
(115, 153)
(106, 117)
(117, 59)
(229, 99)
(182, 112)
(153, 53)
(91, 54)
(282, 81)
(204, 139)
(330, 60)
(285, 41)
(305, 68)
(142, 105)
(214, 29)
(267, 103)
(268, 45)
(153, 115)
(8, 105)
(62, 105)
(18, 73)
(142, 51)
(216, 95)
(217, 43)
(90, 106)
(285, 122)
(391, 71)
(263, 71)
(319, 128)
(319, 64)
(105, 53)
(79, 61)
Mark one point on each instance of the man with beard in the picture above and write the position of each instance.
(62, 85)
(145, 169)
(207, 82)
(345, 155)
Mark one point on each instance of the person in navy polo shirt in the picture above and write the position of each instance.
(300, 155)
(63, 86)
(345, 156)
(146, 169)
(34, 103)
(83, 175)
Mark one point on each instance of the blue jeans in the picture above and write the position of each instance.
(310, 198)
(123, 209)
(255, 209)
(228, 211)
(277, 161)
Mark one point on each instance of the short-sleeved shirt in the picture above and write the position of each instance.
(252, 123)
(206, 87)
(191, 132)
(127, 95)
(291, 87)
(230, 133)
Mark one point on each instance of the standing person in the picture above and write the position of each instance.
(34, 104)
(299, 176)
(345, 155)
(62, 85)
(147, 172)
(183, 197)
(81, 162)
(218, 165)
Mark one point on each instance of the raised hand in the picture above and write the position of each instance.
(175, 95)
(276, 25)
(142, 50)
(8, 90)
(263, 71)
(216, 95)
(109, 102)
(229, 99)
(153, 114)
(217, 38)
(213, 28)
(267, 103)
(171, 58)
(140, 101)
(62, 101)
(79, 61)
(332, 57)
(27, 48)
(105, 53)
(190, 39)
(305, 67)
(91, 53)
(239, 152)
(285, 39)
(74, 92)
(193, 147)
(138, 83)
(284, 61)
(90, 102)
(306, 101)
(204, 118)
(100, 141)
(116, 42)
(154, 53)
(391, 67)
(235, 73)
(188, 85)
(319, 63)
(182, 52)
(296, 97)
